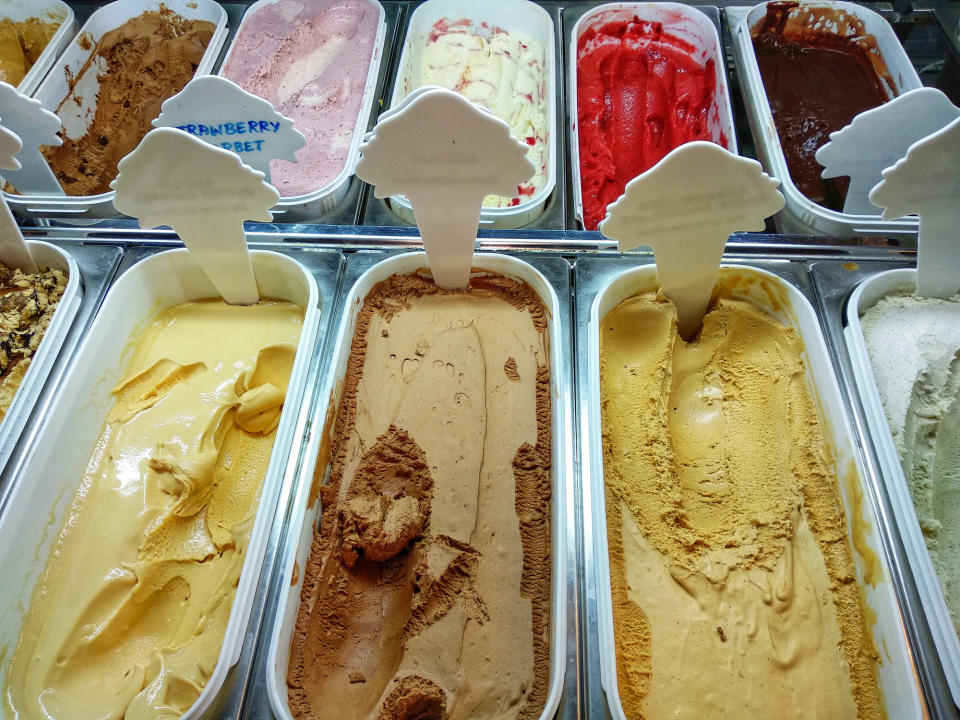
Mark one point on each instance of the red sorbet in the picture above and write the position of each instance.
(640, 94)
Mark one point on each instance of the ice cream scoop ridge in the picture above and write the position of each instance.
(21, 44)
(128, 619)
(732, 579)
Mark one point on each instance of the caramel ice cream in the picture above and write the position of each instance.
(27, 304)
(427, 589)
(128, 618)
(733, 584)
(21, 44)
(138, 65)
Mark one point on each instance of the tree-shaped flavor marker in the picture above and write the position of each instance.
(877, 138)
(204, 193)
(445, 154)
(35, 126)
(223, 114)
(927, 182)
(685, 208)
(13, 249)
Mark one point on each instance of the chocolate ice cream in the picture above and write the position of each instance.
(147, 60)
(817, 81)
(427, 590)
(27, 304)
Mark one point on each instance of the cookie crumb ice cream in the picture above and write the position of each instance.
(732, 579)
(311, 60)
(427, 590)
(138, 65)
(129, 615)
(27, 304)
(914, 348)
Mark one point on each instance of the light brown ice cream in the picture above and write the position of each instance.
(27, 304)
(734, 592)
(427, 590)
(21, 44)
(128, 618)
(147, 60)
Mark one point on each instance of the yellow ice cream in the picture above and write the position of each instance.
(21, 44)
(734, 593)
(129, 617)
(501, 71)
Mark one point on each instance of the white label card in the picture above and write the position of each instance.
(35, 127)
(445, 154)
(204, 193)
(13, 250)
(685, 208)
(222, 113)
(927, 182)
(877, 138)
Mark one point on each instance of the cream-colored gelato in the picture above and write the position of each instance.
(733, 584)
(914, 349)
(427, 590)
(129, 616)
(501, 71)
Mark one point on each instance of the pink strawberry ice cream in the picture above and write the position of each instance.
(310, 58)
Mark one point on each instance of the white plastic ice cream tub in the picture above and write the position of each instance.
(309, 206)
(47, 10)
(513, 16)
(44, 490)
(683, 21)
(800, 214)
(777, 297)
(934, 605)
(56, 87)
(305, 515)
(14, 422)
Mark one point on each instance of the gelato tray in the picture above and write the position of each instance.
(213, 438)
(32, 35)
(860, 64)
(36, 313)
(835, 494)
(106, 109)
(500, 55)
(903, 351)
(644, 78)
(318, 63)
(496, 340)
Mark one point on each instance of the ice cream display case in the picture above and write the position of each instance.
(807, 283)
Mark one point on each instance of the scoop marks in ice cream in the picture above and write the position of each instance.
(501, 70)
(129, 616)
(914, 349)
(427, 589)
(732, 580)
(817, 81)
(138, 65)
(21, 44)
(641, 92)
(311, 60)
